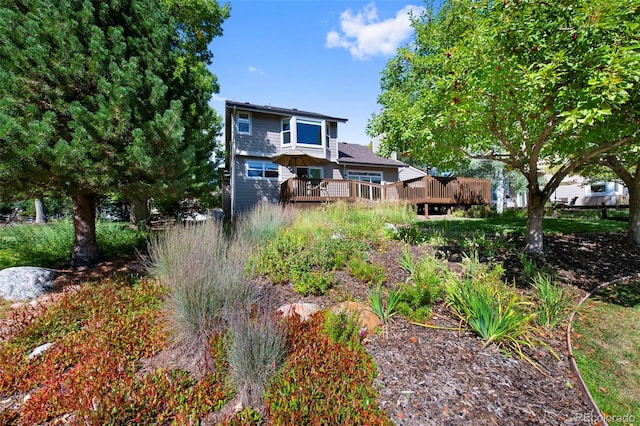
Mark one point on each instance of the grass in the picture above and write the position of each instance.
(51, 243)
(461, 229)
(606, 342)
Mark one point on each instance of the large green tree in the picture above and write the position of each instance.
(99, 97)
(531, 84)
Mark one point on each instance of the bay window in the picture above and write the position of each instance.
(301, 131)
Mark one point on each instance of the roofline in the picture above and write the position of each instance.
(353, 163)
(246, 106)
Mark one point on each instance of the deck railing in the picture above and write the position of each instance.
(427, 190)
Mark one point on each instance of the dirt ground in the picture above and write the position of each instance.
(430, 376)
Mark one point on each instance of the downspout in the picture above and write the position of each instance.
(232, 163)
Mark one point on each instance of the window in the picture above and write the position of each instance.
(598, 188)
(286, 131)
(309, 132)
(306, 132)
(244, 122)
(262, 170)
(371, 177)
(309, 172)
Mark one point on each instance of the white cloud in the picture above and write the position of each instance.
(364, 35)
(255, 71)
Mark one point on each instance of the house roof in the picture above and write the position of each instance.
(246, 106)
(360, 155)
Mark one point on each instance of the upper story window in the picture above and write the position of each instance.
(244, 122)
(286, 131)
(309, 132)
(305, 132)
(262, 170)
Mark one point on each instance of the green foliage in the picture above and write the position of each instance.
(323, 382)
(96, 98)
(312, 282)
(494, 310)
(293, 255)
(343, 327)
(553, 301)
(50, 243)
(384, 310)
(365, 271)
(423, 288)
(474, 82)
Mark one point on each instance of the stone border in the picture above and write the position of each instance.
(572, 361)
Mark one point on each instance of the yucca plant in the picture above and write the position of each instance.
(383, 310)
(553, 301)
(495, 312)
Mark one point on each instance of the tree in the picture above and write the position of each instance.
(528, 84)
(625, 166)
(40, 213)
(97, 97)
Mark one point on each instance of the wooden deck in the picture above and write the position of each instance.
(425, 191)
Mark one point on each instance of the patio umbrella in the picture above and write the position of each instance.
(296, 158)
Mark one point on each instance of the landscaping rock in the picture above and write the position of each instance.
(368, 320)
(26, 282)
(305, 310)
(39, 350)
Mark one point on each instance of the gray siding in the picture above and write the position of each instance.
(264, 140)
(250, 191)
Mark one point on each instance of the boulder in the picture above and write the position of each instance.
(368, 319)
(26, 282)
(305, 310)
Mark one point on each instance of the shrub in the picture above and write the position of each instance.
(365, 271)
(343, 327)
(256, 350)
(206, 274)
(553, 301)
(313, 283)
(262, 222)
(424, 286)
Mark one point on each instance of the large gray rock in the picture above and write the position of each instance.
(26, 282)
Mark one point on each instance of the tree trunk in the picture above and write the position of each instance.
(85, 246)
(535, 217)
(40, 216)
(633, 228)
(139, 211)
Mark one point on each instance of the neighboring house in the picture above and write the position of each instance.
(581, 192)
(255, 134)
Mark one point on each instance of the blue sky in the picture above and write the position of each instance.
(320, 56)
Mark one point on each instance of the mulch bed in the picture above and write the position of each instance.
(430, 376)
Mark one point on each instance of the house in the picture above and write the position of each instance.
(256, 134)
(577, 191)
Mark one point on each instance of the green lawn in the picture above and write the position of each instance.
(607, 349)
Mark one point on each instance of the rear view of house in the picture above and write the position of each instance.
(286, 155)
(258, 140)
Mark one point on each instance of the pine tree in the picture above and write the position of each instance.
(97, 97)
